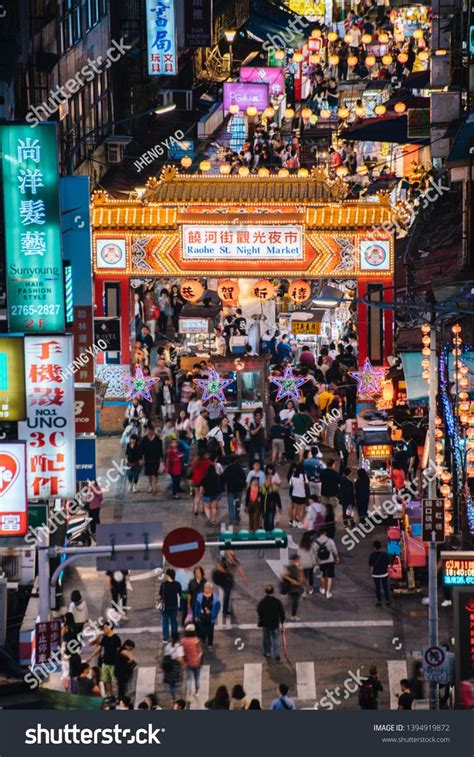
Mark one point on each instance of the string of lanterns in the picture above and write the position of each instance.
(228, 291)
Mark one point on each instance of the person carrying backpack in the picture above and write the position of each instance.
(327, 556)
(292, 583)
(369, 691)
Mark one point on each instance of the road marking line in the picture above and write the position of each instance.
(305, 680)
(397, 670)
(145, 683)
(289, 626)
(253, 680)
(197, 703)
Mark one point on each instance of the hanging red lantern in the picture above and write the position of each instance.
(228, 291)
(299, 291)
(191, 290)
(263, 290)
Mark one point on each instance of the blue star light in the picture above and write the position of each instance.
(213, 386)
(288, 384)
(138, 385)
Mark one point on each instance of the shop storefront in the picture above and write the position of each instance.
(292, 252)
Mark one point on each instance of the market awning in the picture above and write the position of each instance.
(418, 80)
(388, 128)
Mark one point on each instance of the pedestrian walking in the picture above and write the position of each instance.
(257, 438)
(405, 699)
(238, 700)
(327, 557)
(94, 505)
(107, 649)
(220, 700)
(277, 436)
(172, 664)
(347, 498)
(306, 553)
(224, 576)
(270, 501)
(271, 615)
(362, 493)
(233, 480)
(170, 596)
(117, 583)
(253, 504)
(299, 493)
(283, 701)
(151, 450)
(133, 457)
(369, 690)
(315, 515)
(211, 486)
(192, 657)
(78, 608)
(330, 484)
(293, 584)
(340, 445)
(379, 561)
(206, 613)
(195, 587)
(125, 667)
(174, 467)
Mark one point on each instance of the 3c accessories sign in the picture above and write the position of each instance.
(13, 499)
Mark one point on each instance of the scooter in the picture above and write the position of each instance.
(78, 533)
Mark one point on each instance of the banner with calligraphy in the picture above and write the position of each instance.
(198, 23)
(242, 242)
(34, 272)
(50, 426)
(161, 38)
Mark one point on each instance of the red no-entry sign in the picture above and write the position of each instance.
(183, 547)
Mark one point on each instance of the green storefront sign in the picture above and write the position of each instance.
(34, 270)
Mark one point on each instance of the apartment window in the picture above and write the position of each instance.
(71, 24)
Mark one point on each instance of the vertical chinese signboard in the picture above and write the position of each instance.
(48, 640)
(161, 38)
(83, 330)
(50, 426)
(35, 287)
(198, 23)
(433, 521)
(12, 379)
(13, 501)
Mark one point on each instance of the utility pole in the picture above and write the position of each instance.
(432, 556)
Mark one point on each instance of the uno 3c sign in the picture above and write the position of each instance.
(13, 502)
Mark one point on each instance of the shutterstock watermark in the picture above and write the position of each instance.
(157, 151)
(285, 38)
(311, 436)
(71, 733)
(60, 517)
(380, 513)
(335, 697)
(61, 94)
(407, 215)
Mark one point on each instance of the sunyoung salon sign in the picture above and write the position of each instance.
(242, 243)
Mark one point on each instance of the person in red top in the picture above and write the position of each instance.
(307, 359)
(192, 656)
(398, 478)
(174, 467)
(199, 466)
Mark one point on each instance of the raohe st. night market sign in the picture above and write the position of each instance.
(35, 287)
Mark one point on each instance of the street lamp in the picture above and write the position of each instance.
(230, 36)
(157, 111)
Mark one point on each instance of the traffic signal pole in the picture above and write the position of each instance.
(432, 557)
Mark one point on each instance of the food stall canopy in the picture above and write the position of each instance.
(388, 128)
(417, 80)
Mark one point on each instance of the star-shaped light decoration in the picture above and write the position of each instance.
(288, 384)
(369, 380)
(138, 385)
(213, 386)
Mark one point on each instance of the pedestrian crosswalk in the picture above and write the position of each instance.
(145, 683)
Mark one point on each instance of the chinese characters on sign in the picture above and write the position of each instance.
(161, 36)
(48, 640)
(242, 242)
(198, 23)
(13, 501)
(433, 521)
(458, 571)
(12, 379)
(305, 327)
(83, 330)
(274, 77)
(49, 429)
(35, 286)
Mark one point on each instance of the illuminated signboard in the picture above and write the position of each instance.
(245, 95)
(458, 568)
(12, 379)
(35, 287)
(305, 327)
(161, 38)
(242, 242)
(274, 77)
(50, 426)
(464, 634)
(194, 325)
(13, 499)
(375, 256)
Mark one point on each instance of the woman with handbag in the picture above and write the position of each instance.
(254, 504)
(206, 612)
